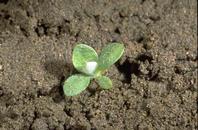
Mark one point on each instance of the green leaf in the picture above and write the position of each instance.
(104, 82)
(75, 84)
(82, 54)
(109, 55)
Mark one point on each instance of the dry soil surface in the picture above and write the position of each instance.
(154, 83)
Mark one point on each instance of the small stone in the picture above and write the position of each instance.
(1, 67)
(148, 45)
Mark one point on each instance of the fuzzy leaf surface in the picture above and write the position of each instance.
(109, 55)
(104, 82)
(75, 84)
(81, 55)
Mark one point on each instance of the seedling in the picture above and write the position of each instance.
(92, 66)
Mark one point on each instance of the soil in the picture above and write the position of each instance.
(154, 83)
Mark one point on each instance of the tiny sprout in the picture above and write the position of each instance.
(86, 60)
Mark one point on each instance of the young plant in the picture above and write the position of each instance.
(92, 66)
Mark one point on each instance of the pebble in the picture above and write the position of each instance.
(1, 67)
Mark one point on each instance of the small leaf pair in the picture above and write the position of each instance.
(86, 60)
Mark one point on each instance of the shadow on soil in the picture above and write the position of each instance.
(60, 70)
(128, 68)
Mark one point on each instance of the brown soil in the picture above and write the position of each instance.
(155, 82)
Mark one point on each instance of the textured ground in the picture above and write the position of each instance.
(155, 82)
